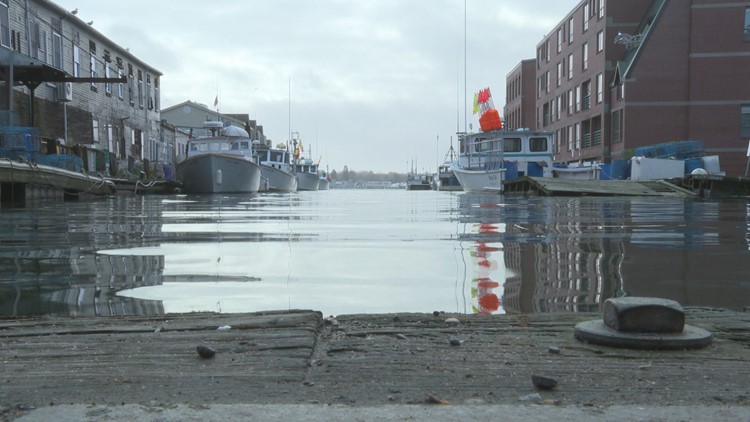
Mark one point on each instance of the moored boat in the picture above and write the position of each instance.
(276, 167)
(415, 181)
(222, 163)
(487, 159)
(445, 179)
(307, 174)
(324, 183)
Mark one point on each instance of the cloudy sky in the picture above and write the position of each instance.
(375, 84)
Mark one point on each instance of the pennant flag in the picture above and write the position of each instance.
(216, 100)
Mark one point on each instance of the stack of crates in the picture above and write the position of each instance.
(19, 142)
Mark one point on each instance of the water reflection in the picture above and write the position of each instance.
(571, 254)
(369, 252)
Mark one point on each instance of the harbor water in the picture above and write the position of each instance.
(369, 251)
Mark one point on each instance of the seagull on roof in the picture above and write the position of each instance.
(74, 11)
(90, 22)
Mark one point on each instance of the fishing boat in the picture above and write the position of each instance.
(307, 174)
(221, 163)
(276, 167)
(487, 159)
(445, 179)
(305, 169)
(324, 183)
(416, 181)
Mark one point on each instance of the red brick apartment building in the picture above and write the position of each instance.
(614, 75)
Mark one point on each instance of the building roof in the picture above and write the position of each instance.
(88, 28)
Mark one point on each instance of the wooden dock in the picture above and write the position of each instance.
(16, 176)
(547, 186)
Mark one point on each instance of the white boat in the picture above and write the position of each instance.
(588, 172)
(487, 159)
(416, 181)
(445, 179)
(307, 174)
(324, 183)
(276, 167)
(220, 163)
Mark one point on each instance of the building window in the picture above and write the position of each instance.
(148, 93)
(617, 126)
(601, 9)
(585, 54)
(120, 86)
(745, 121)
(108, 74)
(570, 138)
(547, 48)
(92, 61)
(57, 59)
(95, 134)
(93, 70)
(578, 98)
(43, 47)
(140, 89)
(600, 41)
(747, 24)
(570, 66)
(559, 73)
(570, 102)
(76, 61)
(157, 104)
(559, 39)
(4, 25)
(599, 88)
(546, 81)
(131, 88)
(578, 136)
(34, 43)
(571, 30)
(586, 94)
(586, 12)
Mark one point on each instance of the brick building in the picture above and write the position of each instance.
(617, 74)
(79, 89)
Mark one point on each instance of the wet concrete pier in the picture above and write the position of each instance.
(302, 358)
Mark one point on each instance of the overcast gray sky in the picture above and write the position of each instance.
(375, 84)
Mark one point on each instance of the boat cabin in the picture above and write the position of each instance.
(530, 151)
(232, 140)
(305, 166)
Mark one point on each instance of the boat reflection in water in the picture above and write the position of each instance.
(570, 255)
(369, 251)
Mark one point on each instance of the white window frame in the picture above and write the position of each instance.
(571, 30)
(76, 61)
(4, 25)
(585, 58)
(107, 73)
(586, 12)
(570, 66)
(92, 62)
(57, 50)
(120, 86)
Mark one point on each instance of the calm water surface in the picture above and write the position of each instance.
(369, 251)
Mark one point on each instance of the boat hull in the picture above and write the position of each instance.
(480, 180)
(323, 184)
(279, 180)
(308, 181)
(447, 181)
(219, 173)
